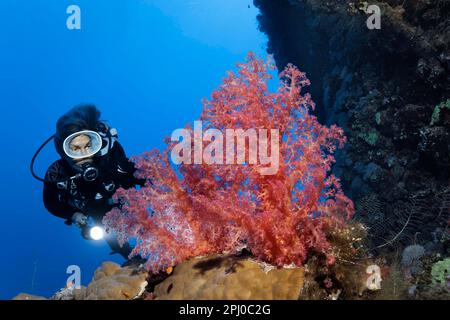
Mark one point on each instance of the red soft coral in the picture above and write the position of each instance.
(204, 208)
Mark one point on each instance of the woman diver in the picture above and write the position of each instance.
(93, 165)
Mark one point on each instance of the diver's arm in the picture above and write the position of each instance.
(54, 200)
(124, 168)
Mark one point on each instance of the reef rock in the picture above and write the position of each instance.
(230, 277)
(26, 296)
(112, 282)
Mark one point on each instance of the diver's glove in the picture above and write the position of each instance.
(80, 219)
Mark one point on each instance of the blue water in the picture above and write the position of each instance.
(145, 63)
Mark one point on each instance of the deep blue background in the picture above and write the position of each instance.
(145, 63)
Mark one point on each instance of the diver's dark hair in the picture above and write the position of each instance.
(81, 117)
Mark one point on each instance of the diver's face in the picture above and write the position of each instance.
(82, 145)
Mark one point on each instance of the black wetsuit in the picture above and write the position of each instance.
(93, 199)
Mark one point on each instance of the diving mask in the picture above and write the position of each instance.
(82, 144)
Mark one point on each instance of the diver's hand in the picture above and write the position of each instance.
(79, 219)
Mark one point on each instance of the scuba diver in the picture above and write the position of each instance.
(93, 165)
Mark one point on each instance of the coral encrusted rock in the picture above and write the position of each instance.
(111, 282)
(230, 277)
(26, 296)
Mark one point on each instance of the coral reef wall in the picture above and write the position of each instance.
(390, 91)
